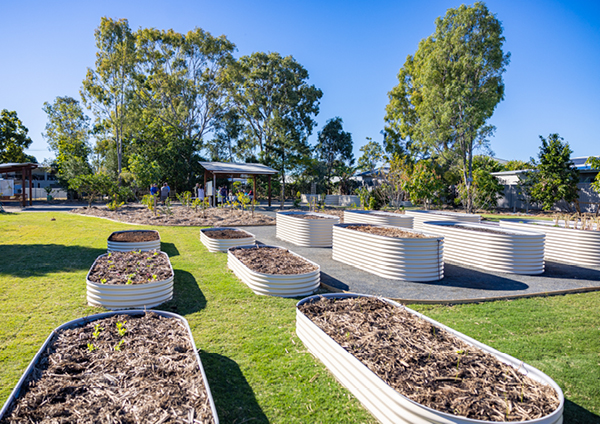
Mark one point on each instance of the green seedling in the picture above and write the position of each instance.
(91, 347)
(121, 328)
(118, 345)
(97, 330)
(129, 279)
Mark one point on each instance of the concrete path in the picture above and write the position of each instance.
(460, 283)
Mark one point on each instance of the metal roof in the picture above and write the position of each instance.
(238, 168)
(13, 167)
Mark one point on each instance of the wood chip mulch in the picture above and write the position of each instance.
(131, 268)
(134, 236)
(226, 234)
(147, 374)
(482, 230)
(386, 231)
(273, 260)
(429, 365)
(305, 216)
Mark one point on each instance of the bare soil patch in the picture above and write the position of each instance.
(273, 260)
(182, 216)
(386, 231)
(149, 374)
(133, 267)
(226, 234)
(134, 236)
(429, 365)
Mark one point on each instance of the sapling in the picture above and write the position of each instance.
(118, 345)
(97, 330)
(121, 328)
(91, 347)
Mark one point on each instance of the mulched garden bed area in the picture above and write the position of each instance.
(303, 216)
(273, 260)
(226, 234)
(386, 231)
(427, 364)
(131, 268)
(181, 216)
(483, 230)
(143, 372)
(134, 236)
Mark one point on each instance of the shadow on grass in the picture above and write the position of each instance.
(187, 296)
(233, 396)
(169, 249)
(575, 414)
(33, 260)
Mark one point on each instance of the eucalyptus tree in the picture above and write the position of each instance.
(67, 133)
(372, 154)
(450, 87)
(107, 90)
(277, 105)
(13, 138)
(334, 145)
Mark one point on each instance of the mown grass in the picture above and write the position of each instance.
(258, 369)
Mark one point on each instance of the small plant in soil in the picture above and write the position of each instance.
(133, 267)
(273, 260)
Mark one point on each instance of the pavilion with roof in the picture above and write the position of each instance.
(25, 170)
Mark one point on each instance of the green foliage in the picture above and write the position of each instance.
(92, 185)
(67, 133)
(114, 205)
(185, 198)
(485, 190)
(372, 155)
(13, 138)
(450, 88)
(423, 183)
(334, 145)
(144, 171)
(517, 165)
(594, 162)
(556, 178)
(150, 202)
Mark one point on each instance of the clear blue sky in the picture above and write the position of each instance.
(351, 49)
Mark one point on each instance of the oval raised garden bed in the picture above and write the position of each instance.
(390, 252)
(125, 241)
(491, 247)
(378, 218)
(579, 247)
(274, 271)
(219, 239)
(306, 229)
(126, 280)
(407, 368)
(138, 366)
(419, 217)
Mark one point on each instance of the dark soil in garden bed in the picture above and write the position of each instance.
(93, 374)
(386, 231)
(131, 268)
(273, 260)
(429, 365)
(226, 234)
(134, 236)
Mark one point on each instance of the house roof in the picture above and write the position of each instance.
(16, 167)
(238, 168)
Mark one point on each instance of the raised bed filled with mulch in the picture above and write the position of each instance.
(390, 252)
(562, 244)
(274, 271)
(126, 280)
(125, 241)
(378, 218)
(490, 247)
(134, 367)
(219, 239)
(405, 367)
(421, 216)
(306, 229)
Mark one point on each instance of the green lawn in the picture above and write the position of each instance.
(258, 369)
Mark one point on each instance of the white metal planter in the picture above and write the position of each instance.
(497, 249)
(129, 296)
(385, 403)
(332, 200)
(578, 247)
(275, 284)
(23, 381)
(410, 259)
(351, 200)
(306, 232)
(221, 245)
(378, 218)
(120, 246)
(421, 216)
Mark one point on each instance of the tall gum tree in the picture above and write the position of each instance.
(451, 86)
(107, 90)
(277, 105)
(13, 138)
(334, 145)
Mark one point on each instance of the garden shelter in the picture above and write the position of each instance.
(233, 170)
(25, 170)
